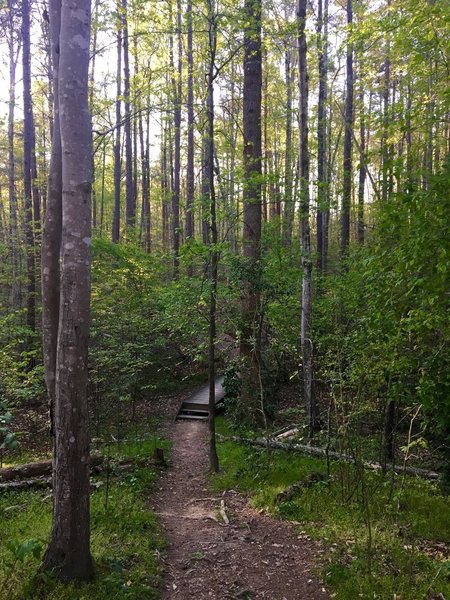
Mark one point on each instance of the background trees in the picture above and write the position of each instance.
(286, 191)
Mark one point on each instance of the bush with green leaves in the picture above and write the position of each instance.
(382, 328)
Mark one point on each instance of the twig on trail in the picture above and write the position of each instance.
(201, 500)
(223, 514)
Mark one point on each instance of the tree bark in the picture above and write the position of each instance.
(68, 553)
(250, 399)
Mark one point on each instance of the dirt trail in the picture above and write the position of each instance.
(254, 557)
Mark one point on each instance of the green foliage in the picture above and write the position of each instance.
(21, 371)
(382, 328)
(23, 550)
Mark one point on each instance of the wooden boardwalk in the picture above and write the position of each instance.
(196, 406)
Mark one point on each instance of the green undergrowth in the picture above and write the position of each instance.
(125, 539)
(385, 535)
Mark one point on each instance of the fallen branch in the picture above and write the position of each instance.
(314, 451)
(37, 469)
(41, 480)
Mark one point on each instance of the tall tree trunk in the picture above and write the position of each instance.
(362, 167)
(190, 177)
(137, 108)
(145, 182)
(165, 190)
(384, 141)
(102, 199)
(265, 146)
(130, 207)
(251, 395)
(213, 251)
(306, 314)
(289, 204)
(176, 93)
(206, 202)
(117, 158)
(348, 174)
(68, 553)
(322, 46)
(51, 236)
(408, 133)
(234, 197)
(91, 103)
(13, 225)
(28, 135)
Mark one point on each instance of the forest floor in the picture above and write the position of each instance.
(253, 557)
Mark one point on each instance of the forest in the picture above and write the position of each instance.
(224, 299)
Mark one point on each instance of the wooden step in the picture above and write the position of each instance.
(194, 406)
(191, 417)
(197, 405)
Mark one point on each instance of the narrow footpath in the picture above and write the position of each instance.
(253, 557)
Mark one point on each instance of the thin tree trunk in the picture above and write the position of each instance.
(102, 200)
(322, 43)
(306, 313)
(28, 134)
(117, 160)
(362, 167)
(51, 236)
(145, 184)
(165, 192)
(130, 207)
(289, 205)
(91, 104)
(190, 178)
(348, 174)
(13, 225)
(206, 202)
(213, 252)
(176, 92)
(138, 108)
(384, 142)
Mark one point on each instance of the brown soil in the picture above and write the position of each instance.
(254, 557)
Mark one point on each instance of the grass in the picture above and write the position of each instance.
(407, 522)
(125, 539)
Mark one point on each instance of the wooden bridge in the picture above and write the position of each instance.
(196, 406)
